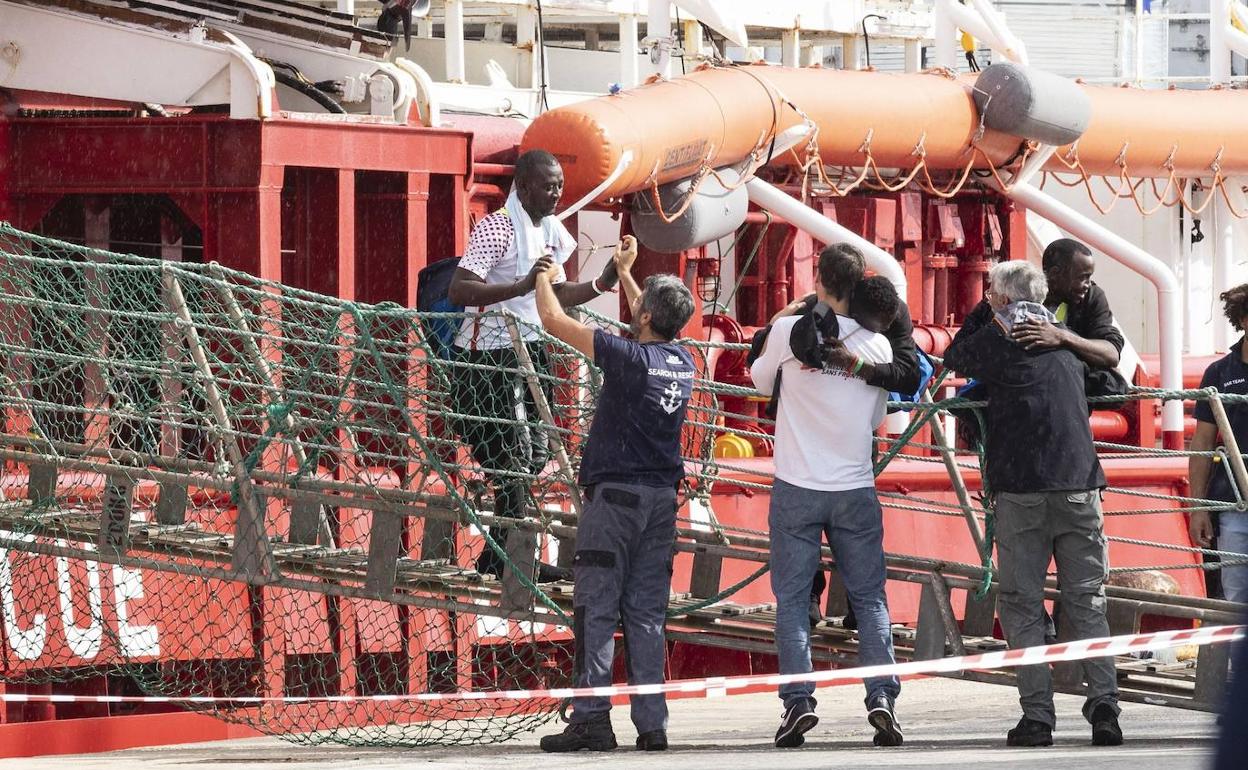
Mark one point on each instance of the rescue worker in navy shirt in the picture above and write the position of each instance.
(630, 469)
(1228, 374)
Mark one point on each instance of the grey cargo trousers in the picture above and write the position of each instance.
(1031, 529)
(623, 570)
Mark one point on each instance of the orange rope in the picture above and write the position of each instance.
(810, 167)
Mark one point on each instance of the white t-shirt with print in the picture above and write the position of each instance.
(826, 417)
(491, 256)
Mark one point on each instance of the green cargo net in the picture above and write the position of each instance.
(254, 490)
(214, 485)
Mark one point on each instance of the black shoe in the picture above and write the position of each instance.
(488, 563)
(595, 736)
(1105, 729)
(655, 740)
(798, 719)
(1030, 732)
(549, 573)
(887, 728)
(815, 613)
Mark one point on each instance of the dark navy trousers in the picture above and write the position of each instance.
(623, 572)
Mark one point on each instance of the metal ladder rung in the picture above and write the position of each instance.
(56, 515)
(149, 531)
(321, 554)
(983, 643)
(290, 550)
(344, 559)
(188, 537)
(735, 610)
(406, 563)
(413, 569)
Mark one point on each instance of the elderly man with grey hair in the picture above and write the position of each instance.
(630, 469)
(1041, 467)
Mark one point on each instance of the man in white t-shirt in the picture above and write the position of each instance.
(825, 486)
(498, 417)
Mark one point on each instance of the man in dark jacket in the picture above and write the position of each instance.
(631, 467)
(1042, 468)
(1083, 324)
(902, 374)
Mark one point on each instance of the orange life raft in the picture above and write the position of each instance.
(718, 116)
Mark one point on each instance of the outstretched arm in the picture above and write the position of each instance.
(573, 294)
(470, 290)
(902, 374)
(1042, 335)
(1101, 348)
(625, 256)
(557, 322)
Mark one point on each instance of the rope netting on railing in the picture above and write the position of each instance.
(257, 490)
(220, 486)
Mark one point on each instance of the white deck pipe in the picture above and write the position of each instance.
(1219, 44)
(1224, 254)
(1234, 38)
(803, 217)
(983, 22)
(1002, 38)
(453, 32)
(248, 72)
(629, 69)
(1169, 306)
(426, 99)
(659, 34)
(945, 36)
(806, 219)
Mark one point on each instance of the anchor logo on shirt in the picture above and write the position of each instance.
(671, 400)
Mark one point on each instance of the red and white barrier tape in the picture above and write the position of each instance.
(714, 686)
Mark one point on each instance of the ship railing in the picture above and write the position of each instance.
(293, 469)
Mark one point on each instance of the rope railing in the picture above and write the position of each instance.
(240, 437)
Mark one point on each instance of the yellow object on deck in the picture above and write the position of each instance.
(730, 446)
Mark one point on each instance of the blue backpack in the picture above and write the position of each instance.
(926, 372)
(433, 286)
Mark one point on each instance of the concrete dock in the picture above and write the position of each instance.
(948, 723)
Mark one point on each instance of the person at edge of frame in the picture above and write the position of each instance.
(1227, 530)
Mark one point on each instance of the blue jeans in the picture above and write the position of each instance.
(854, 525)
(1233, 536)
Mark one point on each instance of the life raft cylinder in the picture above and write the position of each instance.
(717, 116)
(717, 208)
(1032, 103)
